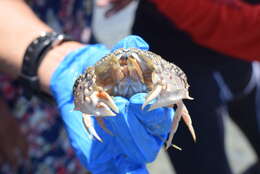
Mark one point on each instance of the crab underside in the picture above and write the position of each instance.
(126, 72)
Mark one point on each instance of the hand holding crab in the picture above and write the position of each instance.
(126, 72)
(136, 135)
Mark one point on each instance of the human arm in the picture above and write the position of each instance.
(231, 28)
(18, 27)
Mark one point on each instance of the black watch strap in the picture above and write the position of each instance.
(33, 57)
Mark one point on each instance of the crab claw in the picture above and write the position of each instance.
(152, 95)
(105, 98)
(164, 98)
(172, 98)
(99, 103)
(167, 95)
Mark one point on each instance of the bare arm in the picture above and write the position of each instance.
(18, 27)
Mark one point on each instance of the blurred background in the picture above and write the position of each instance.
(116, 27)
(45, 140)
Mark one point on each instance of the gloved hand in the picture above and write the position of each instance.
(137, 134)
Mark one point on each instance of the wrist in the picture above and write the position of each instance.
(52, 60)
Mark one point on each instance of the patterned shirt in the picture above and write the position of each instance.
(49, 149)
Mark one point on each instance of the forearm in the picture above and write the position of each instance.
(18, 27)
(231, 28)
(52, 60)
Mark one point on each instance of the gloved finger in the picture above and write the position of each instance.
(131, 41)
(158, 121)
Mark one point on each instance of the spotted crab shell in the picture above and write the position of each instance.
(126, 72)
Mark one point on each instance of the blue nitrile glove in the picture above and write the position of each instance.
(137, 134)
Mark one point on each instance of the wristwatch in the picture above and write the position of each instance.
(32, 59)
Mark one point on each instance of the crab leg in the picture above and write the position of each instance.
(167, 98)
(181, 112)
(175, 124)
(101, 123)
(186, 118)
(87, 122)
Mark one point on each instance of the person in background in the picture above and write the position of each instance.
(215, 42)
(37, 127)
